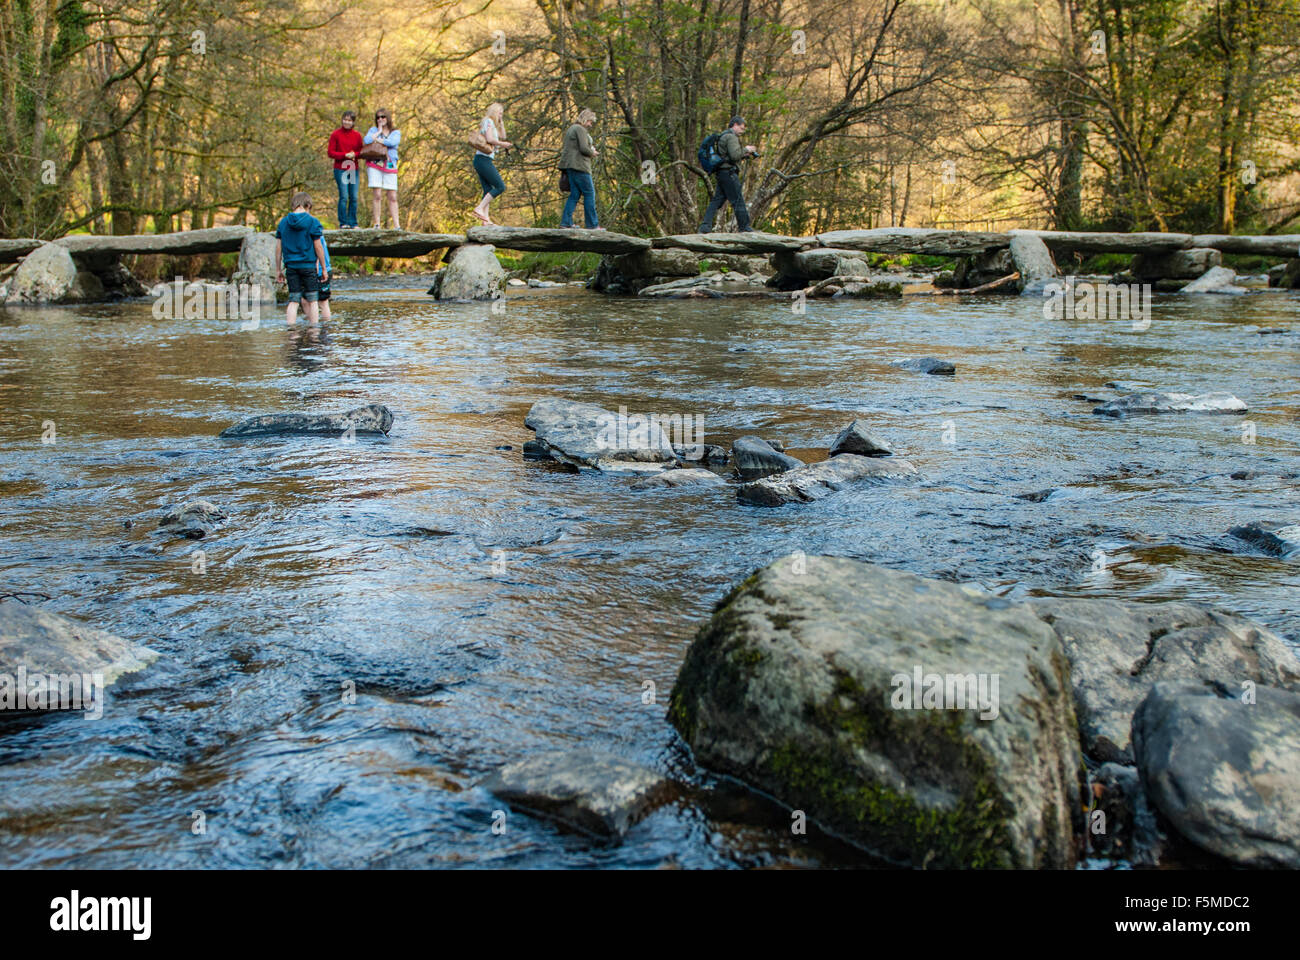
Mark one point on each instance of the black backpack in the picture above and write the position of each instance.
(709, 155)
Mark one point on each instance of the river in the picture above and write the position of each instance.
(485, 607)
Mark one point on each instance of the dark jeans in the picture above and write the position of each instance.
(347, 197)
(580, 183)
(303, 282)
(488, 177)
(728, 189)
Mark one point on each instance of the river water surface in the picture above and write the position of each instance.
(486, 607)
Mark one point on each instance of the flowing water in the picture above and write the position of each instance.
(485, 607)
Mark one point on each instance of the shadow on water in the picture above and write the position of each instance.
(483, 607)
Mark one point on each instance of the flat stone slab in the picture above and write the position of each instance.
(14, 250)
(753, 242)
(211, 240)
(914, 240)
(1148, 402)
(585, 435)
(594, 791)
(374, 418)
(818, 480)
(47, 643)
(1224, 769)
(557, 239)
(1071, 241)
(388, 243)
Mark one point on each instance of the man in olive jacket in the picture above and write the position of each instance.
(728, 177)
(575, 160)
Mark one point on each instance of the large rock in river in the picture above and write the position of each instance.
(817, 480)
(1225, 770)
(472, 273)
(47, 275)
(1215, 280)
(927, 722)
(1119, 649)
(587, 436)
(819, 263)
(374, 418)
(46, 643)
(1179, 265)
(1148, 402)
(657, 263)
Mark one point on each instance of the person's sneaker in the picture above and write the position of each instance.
(747, 230)
(704, 230)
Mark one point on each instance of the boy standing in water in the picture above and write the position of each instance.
(300, 237)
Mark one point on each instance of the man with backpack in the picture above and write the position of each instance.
(720, 155)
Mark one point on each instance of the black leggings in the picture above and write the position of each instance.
(488, 177)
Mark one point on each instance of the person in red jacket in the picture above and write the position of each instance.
(345, 144)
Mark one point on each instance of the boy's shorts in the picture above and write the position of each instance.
(303, 283)
(323, 291)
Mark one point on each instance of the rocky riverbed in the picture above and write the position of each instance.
(453, 634)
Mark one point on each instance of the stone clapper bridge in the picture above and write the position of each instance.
(88, 268)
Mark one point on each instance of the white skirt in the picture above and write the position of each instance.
(381, 178)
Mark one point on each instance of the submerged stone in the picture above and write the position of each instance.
(931, 365)
(817, 480)
(594, 791)
(46, 643)
(373, 418)
(1150, 402)
(194, 519)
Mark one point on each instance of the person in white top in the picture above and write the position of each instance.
(494, 132)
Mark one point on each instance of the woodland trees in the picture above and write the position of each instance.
(149, 115)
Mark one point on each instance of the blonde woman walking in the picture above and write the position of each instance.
(494, 132)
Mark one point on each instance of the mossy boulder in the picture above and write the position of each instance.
(802, 685)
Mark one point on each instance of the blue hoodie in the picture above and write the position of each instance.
(296, 233)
